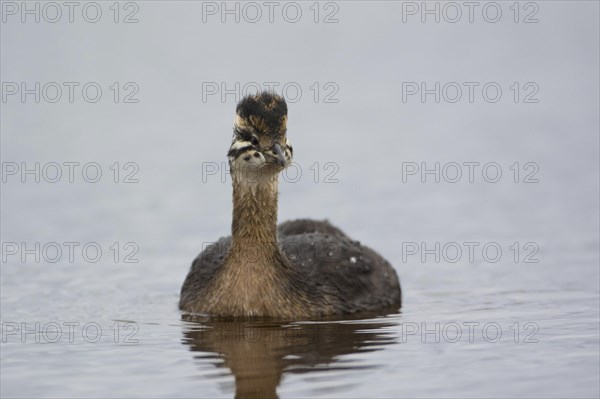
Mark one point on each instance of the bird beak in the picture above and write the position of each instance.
(280, 154)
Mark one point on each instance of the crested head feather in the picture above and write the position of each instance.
(264, 113)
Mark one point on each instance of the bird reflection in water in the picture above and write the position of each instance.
(259, 352)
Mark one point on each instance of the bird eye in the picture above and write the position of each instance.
(254, 141)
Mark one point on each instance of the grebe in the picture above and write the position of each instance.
(301, 269)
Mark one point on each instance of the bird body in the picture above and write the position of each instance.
(299, 269)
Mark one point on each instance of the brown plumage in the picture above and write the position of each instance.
(301, 269)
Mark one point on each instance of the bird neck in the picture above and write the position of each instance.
(254, 223)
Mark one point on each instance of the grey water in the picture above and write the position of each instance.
(486, 202)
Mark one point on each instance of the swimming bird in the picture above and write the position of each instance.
(300, 269)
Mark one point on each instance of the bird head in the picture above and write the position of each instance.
(259, 135)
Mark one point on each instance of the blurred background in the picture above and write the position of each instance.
(417, 127)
